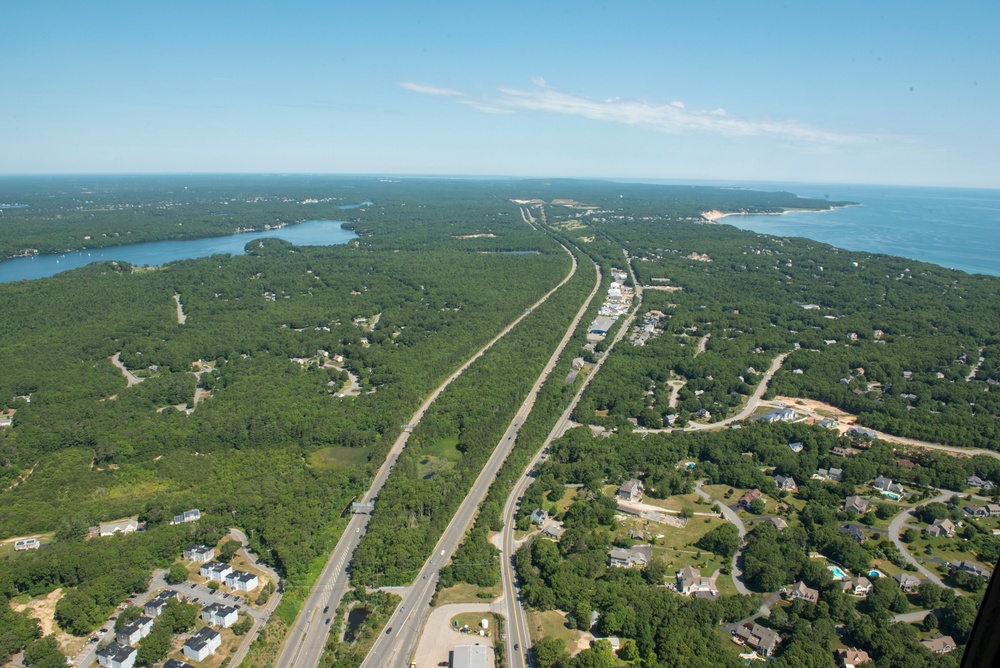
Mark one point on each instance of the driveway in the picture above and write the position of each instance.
(896, 526)
(731, 516)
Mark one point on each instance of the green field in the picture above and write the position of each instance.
(338, 458)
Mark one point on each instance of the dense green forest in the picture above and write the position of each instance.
(271, 407)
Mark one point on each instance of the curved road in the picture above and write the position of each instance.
(897, 525)
(731, 516)
(397, 644)
(307, 638)
(272, 603)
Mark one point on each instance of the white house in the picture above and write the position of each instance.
(134, 631)
(242, 581)
(217, 614)
(174, 663)
(216, 571)
(26, 544)
(117, 655)
(192, 515)
(127, 525)
(199, 554)
(156, 605)
(202, 644)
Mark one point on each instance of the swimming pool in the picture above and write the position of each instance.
(875, 574)
(838, 573)
(891, 495)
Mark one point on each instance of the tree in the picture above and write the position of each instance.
(885, 511)
(152, 648)
(929, 595)
(44, 653)
(177, 574)
(929, 622)
(723, 540)
(127, 615)
(910, 535)
(213, 585)
(959, 615)
(757, 506)
(628, 651)
(242, 625)
(549, 652)
(228, 550)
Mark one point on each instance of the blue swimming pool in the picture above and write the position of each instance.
(875, 574)
(838, 573)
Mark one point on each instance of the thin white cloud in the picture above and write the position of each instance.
(671, 118)
(431, 90)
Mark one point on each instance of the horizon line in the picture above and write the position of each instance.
(648, 180)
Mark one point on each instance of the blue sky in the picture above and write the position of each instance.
(848, 92)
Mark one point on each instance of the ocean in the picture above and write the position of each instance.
(951, 227)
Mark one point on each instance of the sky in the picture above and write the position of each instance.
(849, 92)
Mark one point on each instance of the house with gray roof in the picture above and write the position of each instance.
(631, 491)
(199, 554)
(218, 614)
(117, 655)
(242, 581)
(127, 525)
(134, 631)
(156, 605)
(757, 637)
(202, 644)
(631, 557)
(216, 571)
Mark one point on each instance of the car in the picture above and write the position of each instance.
(326, 608)
(328, 621)
(388, 630)
(237, 606)
(516, 647)
(195, 599)
(442, 553)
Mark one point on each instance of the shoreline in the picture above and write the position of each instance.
(714, 215)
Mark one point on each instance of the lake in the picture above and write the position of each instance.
(155, 253)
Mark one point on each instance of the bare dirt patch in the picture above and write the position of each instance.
(43, 608)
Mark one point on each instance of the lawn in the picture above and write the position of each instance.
(679, 502)
(466, 593)
(552, 624)
(338, 458)
(474, 621)
(439, 456)
(562, 503)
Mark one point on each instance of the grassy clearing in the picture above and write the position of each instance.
(552, 624)
(562, 503)
(335, 459)
(474, 621)
(467, 593)
(438, 457)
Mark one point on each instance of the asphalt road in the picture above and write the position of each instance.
(517, 632)
(260, 617)
(398, 643)
(307, 639)
(896, 526)
(731, 516)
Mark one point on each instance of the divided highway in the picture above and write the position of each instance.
(518, 639)
(397, 644)
(307, 638)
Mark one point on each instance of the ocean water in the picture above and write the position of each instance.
(956, 228)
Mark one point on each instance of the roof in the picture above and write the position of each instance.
(174, 663)
(940, 643)
(470, 656)
(242, 576)
(116, 651)
(849, 657)
(201, 638)
(905, 579)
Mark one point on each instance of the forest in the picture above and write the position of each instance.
(296, 367)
